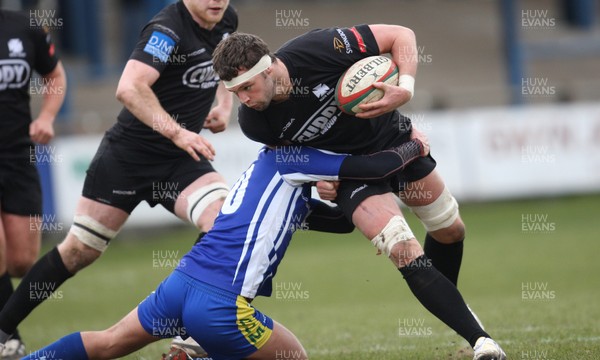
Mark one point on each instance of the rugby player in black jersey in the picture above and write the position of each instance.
(167, 89)
(23, 50)
(288, 98)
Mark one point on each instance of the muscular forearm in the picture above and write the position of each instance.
(54, 94)
(141, 101)
(401, 42)
(135, 93)
(224, 97)
(382, 164)
(405, 53)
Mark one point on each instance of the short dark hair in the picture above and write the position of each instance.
(238, 51)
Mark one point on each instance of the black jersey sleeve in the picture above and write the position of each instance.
(335, 48)
(157, 43)
(45, 53)
(382, 164)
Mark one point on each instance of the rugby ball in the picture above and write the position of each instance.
(355, 86)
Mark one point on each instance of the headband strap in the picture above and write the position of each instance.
(259, 67)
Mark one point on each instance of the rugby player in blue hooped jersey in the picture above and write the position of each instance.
(207, 297)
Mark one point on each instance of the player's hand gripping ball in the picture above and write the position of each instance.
(355, 86)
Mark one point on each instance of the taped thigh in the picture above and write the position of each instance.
(202, 197)
(91, 232)
(439, 214)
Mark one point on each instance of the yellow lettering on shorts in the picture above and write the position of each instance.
(253, 330)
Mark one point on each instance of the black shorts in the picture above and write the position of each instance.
(20, 189)
(351, 193)
(123, 176)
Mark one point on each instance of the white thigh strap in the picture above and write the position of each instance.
(91, 232)
(199, 200)
(439, 214)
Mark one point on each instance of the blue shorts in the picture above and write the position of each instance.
(223, 323)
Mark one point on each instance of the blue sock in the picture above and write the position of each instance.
(69, 347)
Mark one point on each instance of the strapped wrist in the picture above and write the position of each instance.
(407, 82)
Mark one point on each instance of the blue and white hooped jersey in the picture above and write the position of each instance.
(263, 209)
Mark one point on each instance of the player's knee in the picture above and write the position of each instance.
(451, 234)
(204, 204)
(86, 241)
(75, 254)
(18, 262)
(404, 252)
(104, 345)
(20, 265)
(297, 354)
(394, 236)
(456, 232)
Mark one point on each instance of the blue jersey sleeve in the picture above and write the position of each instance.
(301, 164)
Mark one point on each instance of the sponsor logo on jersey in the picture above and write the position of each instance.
(337, 44)
(14, 73)
(319, 123)
(160, 46)
(321, 91)
(287, 126)
(201, 76)
(345, 40)
(361, 43)
(15, 48)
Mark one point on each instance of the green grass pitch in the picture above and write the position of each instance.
(530, 271)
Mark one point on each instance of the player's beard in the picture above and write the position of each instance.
(269, 96)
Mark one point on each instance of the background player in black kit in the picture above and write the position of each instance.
(167, 89)
(288, 97)
(23, 49)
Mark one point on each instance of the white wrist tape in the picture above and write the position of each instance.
(395, 231)
(407, 82)
(262, 65)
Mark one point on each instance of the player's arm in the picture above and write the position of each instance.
(382, 164)
(41, 129)
(386, 163)
(299, 164)
(401, 43)
(135, 93)
(218, 117)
